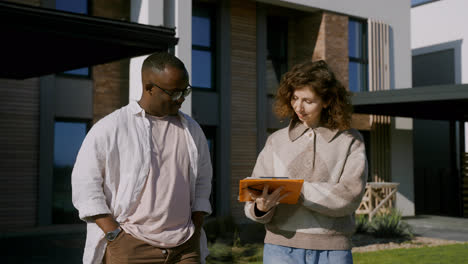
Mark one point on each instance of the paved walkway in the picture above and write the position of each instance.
(450, 228)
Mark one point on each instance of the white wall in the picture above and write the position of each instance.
(440, 25)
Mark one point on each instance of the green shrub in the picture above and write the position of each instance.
(362, 223)
(221, 228)
(389, 225)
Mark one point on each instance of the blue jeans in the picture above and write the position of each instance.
(274, 254)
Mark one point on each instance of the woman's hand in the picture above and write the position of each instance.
(265, 201)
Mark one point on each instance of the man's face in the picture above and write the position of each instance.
(171, 80)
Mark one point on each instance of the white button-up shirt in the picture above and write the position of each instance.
(112, 167)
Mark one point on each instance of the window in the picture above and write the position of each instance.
(277, 47)
(68, 136)
(79, 7)
(415, 3)
(203, 46)
(357, 49)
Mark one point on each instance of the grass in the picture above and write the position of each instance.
(223, 253)
(456, 253)
(252, 253)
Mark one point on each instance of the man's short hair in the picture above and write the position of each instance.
(158, 61)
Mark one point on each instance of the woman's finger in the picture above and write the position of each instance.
(253, 196)
(278, 190)
(265, 190)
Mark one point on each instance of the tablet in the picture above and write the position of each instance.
(293, 186)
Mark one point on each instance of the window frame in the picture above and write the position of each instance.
(364, 50)
(54, 218)
(211, 11)
(282, 59)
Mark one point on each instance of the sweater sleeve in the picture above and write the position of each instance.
(263, 167)
(341, 198)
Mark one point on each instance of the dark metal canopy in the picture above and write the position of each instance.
(38, 41)
(441, 102)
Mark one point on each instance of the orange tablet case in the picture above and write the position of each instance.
(293, 186)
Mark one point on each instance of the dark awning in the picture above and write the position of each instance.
(38, 41)
(442, 102)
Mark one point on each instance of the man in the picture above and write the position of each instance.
(142, 178)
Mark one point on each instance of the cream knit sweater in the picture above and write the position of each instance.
(334, 168)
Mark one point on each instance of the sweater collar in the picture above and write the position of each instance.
(297, 129)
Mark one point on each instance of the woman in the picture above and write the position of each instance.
(319, 147)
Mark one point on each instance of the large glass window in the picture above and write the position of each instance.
(75, 6)
(203, 46)
(357, 49)
(68, 136)
(277, 48)
(80, 7)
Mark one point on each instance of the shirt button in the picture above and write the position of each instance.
(164, 251)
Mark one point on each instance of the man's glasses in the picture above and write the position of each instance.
(175, 95)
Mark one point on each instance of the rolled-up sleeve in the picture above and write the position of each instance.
(205, 174)
(88, 174)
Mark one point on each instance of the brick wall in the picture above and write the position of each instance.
(243, 96)
(323, 36)
(332, 44)
(303, 36)
(320, 36)
(111, 80)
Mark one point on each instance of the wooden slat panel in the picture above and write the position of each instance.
(19, 146)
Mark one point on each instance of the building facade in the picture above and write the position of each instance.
(236, 52)
(438, 43)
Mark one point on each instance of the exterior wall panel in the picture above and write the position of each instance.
(19, 141)
(243, 97)
(111, 80)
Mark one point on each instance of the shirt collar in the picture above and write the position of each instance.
(297, 129)
(135, 108)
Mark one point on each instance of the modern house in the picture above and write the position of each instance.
(46, 106)
(437, 104)
(236, 52)
(439, 48)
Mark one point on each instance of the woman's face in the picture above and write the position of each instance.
(307, 105)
